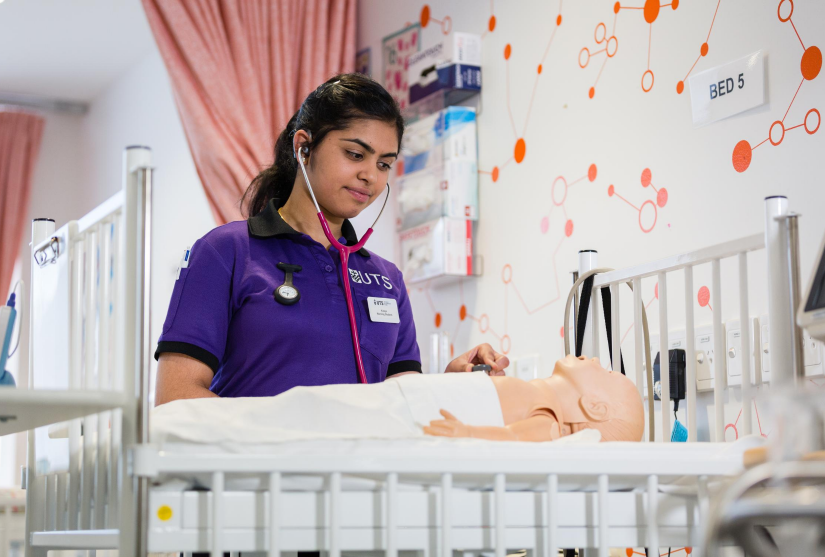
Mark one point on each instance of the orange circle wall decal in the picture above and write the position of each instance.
(520, 150)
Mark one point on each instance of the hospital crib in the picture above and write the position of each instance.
(430, 496)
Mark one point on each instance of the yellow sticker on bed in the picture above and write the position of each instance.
(165, 512)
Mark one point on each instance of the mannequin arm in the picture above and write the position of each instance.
(542, 427)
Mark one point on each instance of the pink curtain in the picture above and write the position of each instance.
(239, 70)
(20, 135)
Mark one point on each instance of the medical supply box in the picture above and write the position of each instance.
(439, 248)
(451, 65)
(449, 190)
(447, 135)
(440, 170)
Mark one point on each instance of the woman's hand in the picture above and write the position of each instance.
(481, 354)
(448, 427)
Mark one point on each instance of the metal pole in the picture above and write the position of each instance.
(792, 221)
(780, 311)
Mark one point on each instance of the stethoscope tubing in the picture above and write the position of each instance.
(344, 253)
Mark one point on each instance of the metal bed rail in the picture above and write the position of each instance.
(781, 262)
(106, 254)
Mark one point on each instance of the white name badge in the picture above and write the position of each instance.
(728, 89)
(383, 310)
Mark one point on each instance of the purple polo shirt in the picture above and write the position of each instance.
(223, 311)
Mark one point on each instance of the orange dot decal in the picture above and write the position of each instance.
(661, 197)
(616, 7)
(742, 154)
(611, 190)
(507, 51)
(568, 228)
(462, 312)
(591, 92)
(558, 20)
(591, 172)
(561, 332)
(629, 552)
(652, 10)
(680, 87)
(811, 63)
(646, 176)
(520, 150)
(539, 69)
(674, 4)
(491, 25)
(688, 550)
(452, 350)
(425, 15)
(704, 296)
(656, 291)
(437, 320)
(704, 50)
(495, 174)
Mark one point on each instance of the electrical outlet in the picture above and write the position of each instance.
(527, 367)
(811, 350)
(733, 350)
(705, 354)
(813, 355)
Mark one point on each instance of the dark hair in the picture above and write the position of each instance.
(332, 106)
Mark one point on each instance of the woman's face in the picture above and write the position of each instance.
(349, 169)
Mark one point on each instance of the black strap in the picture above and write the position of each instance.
(584, 306)
(608, 322)
(581, 320)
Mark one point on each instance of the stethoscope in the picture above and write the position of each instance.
(344, 252)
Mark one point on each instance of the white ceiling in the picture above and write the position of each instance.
(69, 49)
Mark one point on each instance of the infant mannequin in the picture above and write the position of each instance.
(579, 395)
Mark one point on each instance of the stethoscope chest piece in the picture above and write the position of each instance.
(287, 294)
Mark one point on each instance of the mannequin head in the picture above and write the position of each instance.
(588, 396)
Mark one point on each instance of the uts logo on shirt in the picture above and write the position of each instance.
(368, 278)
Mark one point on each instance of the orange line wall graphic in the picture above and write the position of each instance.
(610, 43)
(520, 147)
(703, 51)
(661, 201)
(809, 66)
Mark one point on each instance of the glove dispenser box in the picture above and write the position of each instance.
(445, 136)
(441, 248)
(450, 190)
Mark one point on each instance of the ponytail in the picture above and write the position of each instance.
(276, 181)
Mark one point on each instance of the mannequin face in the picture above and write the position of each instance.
(588, 396)
(349, 168)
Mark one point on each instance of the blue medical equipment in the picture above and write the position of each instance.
(7, 317)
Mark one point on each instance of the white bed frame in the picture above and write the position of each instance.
(104, 502)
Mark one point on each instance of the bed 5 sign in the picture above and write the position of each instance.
(728, 89)
(725, 86)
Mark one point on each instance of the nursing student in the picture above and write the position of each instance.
(260, 306)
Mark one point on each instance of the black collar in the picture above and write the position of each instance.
(269, 223)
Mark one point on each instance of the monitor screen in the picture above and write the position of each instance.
(816, 297)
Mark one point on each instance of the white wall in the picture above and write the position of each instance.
(623, 131)
(139, 109)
